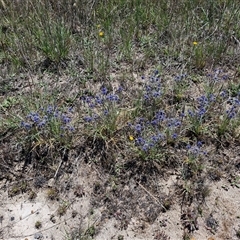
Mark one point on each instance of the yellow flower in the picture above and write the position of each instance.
(131, 138)
(195, 43)
(98, 26)
(101, 34)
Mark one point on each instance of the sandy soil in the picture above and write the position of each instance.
(220, 213)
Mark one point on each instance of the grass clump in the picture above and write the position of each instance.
(52, 193)
(46, 129)
(38, 225)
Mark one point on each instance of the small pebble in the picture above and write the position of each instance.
(38, 236)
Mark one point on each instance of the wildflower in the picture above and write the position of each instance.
(42, 123)
(195, 43)
(88, 119)
(140, 141)
(105, 112)
(120, 89)
(99, 100)
(138, 127)
(26, 125)
(49, 109)
(71, 128)
(65, 119)
(154, 138)
(174, 135)
(104, 90)
(145, 147)
(231, 113)
(101, 34)
(195, 150)
(112, 97)
(131, 138)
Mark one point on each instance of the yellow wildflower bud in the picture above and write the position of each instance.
(101, 34)
(131, 138)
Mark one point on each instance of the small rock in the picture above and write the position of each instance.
(38, 236)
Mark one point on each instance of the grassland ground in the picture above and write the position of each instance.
(119, 120)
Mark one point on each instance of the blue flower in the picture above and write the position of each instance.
(88, 119)
(140, 141)
(98, 100)
(160, 115)
(174, 135)
(42, 123)
(120, 89)
(104, 90)
(26, 125)
(190, 113)
(155, 139)
(112, 97)
(71, 128)
(145, 147)
(49, 109)
(138, 127)
(105, 112)
(66, 119)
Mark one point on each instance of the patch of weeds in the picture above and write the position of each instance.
(161, 235)
(91, 231)
(179, 88)
(52, 193)
(229, 120)
(15, 190)
(32, 195)
(189, 220)
(38, 225)
(8, 103)
(235, 181)
(52, 39)
(104, 115)
(81, 234)
(234, 89)
(18, 188)
(199, 55)
(120, 237)
(192, 165)
(197, 116)
(187, 236)
(62, 209)
(193, 189)
(167, 203)
(47, 129)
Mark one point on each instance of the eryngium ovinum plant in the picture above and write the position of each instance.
(47, 130)
(103, 114)
(155, 125)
